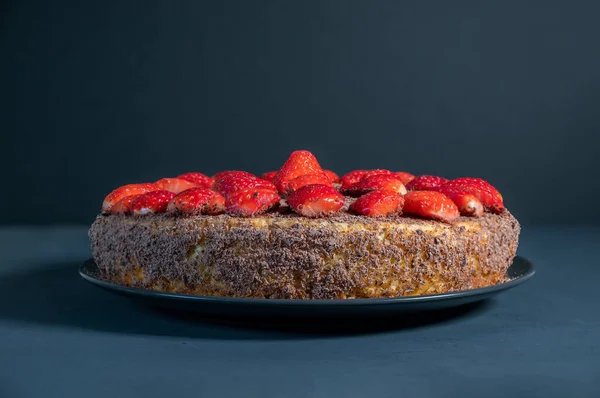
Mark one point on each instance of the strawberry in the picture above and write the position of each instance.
(430, 204)
(334, 178)
(404, 177)
(197, 201)
(316, 200)
(308, 179)
(250, 202)
(377, 172)
(175, 185)
(123, 206)
(220, 175)
(377, 182)
(126, 190)
(238, 181)
(201, 180)
(152, 202)
(378, 204)
(425, 183)
(351, 178)
(467, 204)
(298, 164)
(269, 175)
(482, 190)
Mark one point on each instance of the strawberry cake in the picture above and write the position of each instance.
(302, 232)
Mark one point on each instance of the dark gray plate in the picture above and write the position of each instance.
(520, 271)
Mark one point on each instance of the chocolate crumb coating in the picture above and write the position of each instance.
(283, 255)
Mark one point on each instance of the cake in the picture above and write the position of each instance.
(303, 233)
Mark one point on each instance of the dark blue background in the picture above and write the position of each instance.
(98, 94)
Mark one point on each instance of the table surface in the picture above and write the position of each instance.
(61, 336)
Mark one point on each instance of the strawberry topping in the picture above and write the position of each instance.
(430, 204)
(175, 185)
(482, 190)
(126, 190)
(378, 204)
(377, 182)
(197, 201)
(123, 206)
(152, 202)
(250, 202)
(425, 183)
(201, 180)
(269, 175)
(228, 184)
(316, 200)
(333, 177)
(300, 163)
(404, 177)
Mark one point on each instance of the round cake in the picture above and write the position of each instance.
(305, 236)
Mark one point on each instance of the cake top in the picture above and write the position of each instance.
(303, 186)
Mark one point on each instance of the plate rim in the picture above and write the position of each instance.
(527, 274)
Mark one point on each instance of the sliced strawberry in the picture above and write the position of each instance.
(123, 206)
(152, 202)
(269, 175)
(333, 177)
(404, 177)
(229, 184)
(316, 200)
(430, 204)
(378, 204)
(486, 193)
(175, 185)
(425, 183)
(467, 204)
(377, 182)
(351, 178)
(307, 179)
(201, 180)
(298, 164)
(126, 190)
(250, 202)
(222, 174)
(197, 201)
(377, 172)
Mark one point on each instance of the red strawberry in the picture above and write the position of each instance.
(425, 183)
(404, 177)
(467, 204)
(201, 180)
(123, 206)
(298, 164)
(126, 190)
(222, 174)
(352, 178)
(307, 179)
(230, 183)
(250, 202)
(197, 201)
(152, 202)
(378, 204)
(486, 193)
(175, 185)
(316, 200)
(377, 172)
(349, 180)
(377, 182)
(430, 204)
(269, 175)
(334, 178)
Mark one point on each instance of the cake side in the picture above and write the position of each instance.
(293, 257)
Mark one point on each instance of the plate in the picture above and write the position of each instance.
(520, 271)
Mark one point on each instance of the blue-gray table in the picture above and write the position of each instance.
(63, 337)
